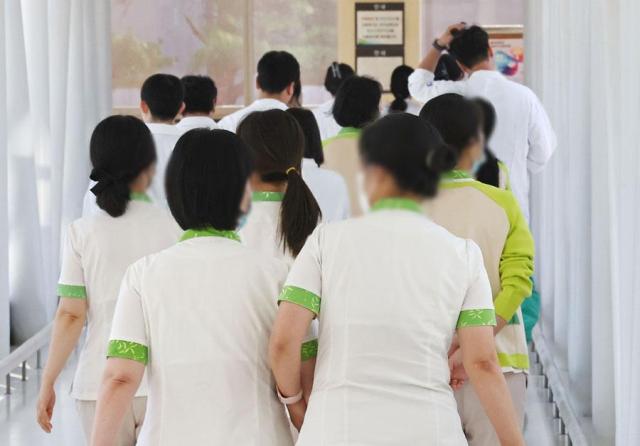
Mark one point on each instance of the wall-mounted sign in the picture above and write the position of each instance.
(379, 39)
(507, 43)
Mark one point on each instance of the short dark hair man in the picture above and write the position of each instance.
(200, 94)
(277, 74)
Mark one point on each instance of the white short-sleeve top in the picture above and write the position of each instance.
(97, 251)
(262, 232)
(389, 290)
(329, 189)
(199, 314)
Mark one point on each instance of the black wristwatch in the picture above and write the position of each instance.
(437, 46)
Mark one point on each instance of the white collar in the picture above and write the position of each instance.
(269, 103)
(167, 129)
(486, 74)
(309, 163)
(197, 119)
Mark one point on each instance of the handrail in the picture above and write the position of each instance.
(19, 356)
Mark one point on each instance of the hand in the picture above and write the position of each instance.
(446, 38)
(458, 373)
(455, 345)
(46, 401)
(297, 412)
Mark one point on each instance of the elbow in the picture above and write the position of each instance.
(279, 348)
(119, 378)
(70, 318)
(485, 366)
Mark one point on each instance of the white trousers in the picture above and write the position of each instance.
(475, 423)
(130, 426)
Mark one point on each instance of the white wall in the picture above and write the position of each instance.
(584, 63)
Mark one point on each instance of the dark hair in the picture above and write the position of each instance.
(163, 93)
(276, 70)
(337, 73)
(206, 179)
(470, 46)
(296, 97)
(357, 102)
(121, 148)
(400, 88)
(312, 139)
(458, 120)
(489, 171)
(447, 69)
(410, 149)
(488, 116)
(277, 143)
(200, 93)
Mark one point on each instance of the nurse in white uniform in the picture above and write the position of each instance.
(278, 74)
(161, 100)
(390, 289)
(200, 94)
(198, 315)
(284, 211)
(336, 74)
(98, 250)
(327, 186)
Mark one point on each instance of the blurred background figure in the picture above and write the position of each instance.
(327, 186)
(337, 73)
(402, 100)
(200, 95)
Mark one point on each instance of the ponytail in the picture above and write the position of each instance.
(112, 194)
(400, 88)
(299, 214)
(489, 171)
(398, 105)
(121, 148)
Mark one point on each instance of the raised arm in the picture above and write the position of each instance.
(67, 328)
(430, 61)
(481, 363)
(119, 384)
(422, 85)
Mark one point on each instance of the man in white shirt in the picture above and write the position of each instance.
(161, 100)
(523, 138)
(200, 94)
(336, 74)
(278, 72)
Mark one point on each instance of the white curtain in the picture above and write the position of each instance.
(55, 85)
(584, 63)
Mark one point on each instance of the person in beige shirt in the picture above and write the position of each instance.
(357, 104)
(492, 218)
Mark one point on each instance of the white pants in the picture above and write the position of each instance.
(475, 423)
(130, 426)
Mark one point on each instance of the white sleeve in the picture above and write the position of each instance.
(71, 283)
(128, 337)
(542, 138)
(304, 284)
(423, 87)
(477, 307)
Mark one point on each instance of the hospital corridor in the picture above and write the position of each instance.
(319, 222)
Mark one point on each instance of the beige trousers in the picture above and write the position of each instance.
(475, 423)
(130, 426)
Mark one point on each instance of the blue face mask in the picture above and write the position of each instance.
(477, 164)
(244, 216)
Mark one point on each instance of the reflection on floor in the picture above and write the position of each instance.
(19, 428)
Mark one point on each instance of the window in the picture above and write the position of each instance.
(221, 38)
